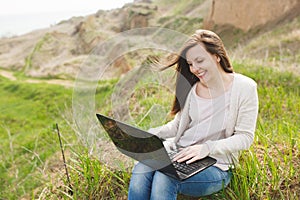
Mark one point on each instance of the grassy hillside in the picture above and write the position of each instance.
(269, 170)
(30, 161)
(30, 155)
(277, 47)
(28, 112)
(29, 146)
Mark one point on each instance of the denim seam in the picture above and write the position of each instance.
(188, 182)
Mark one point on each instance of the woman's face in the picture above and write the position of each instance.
(204, 65)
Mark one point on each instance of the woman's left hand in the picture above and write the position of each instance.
(192, 153)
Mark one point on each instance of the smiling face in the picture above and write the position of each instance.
(203, 64)
(203, 56)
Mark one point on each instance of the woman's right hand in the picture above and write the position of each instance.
(192, 153)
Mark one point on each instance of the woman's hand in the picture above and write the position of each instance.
(192, 153)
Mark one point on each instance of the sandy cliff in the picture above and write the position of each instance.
(245, 14)
(60, 50)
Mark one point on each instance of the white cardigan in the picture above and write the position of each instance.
(239, 134)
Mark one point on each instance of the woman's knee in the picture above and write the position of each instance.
(140, 182)
(206, 182)
(163, 186)
(140, 168)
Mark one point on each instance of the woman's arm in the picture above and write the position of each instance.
(168, 130)
(244, 128)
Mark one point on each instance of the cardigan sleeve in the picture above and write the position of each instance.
(168, 130)
(244, 128)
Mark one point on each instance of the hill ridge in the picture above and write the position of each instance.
(59, 51)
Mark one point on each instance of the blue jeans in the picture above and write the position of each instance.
(145, 183)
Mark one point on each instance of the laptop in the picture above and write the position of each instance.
(149, 149)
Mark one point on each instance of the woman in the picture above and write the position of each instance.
(215, 114)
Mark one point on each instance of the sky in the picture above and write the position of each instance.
(18, 17)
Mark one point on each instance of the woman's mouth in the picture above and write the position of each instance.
(201, 74)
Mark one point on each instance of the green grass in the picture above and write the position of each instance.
(178, 7)
(268, 170)
(29, 145)
(175, 15)
(28, 112)
(91, 179)
(182, 24)
(280, 46)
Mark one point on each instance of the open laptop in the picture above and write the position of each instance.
(149, 149)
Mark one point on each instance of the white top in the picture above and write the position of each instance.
(239, 127)
(208, 117)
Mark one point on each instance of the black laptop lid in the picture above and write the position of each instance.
(136, 143)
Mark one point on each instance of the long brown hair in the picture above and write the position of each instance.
(185, 78)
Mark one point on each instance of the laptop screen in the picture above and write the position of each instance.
(136, 143)
(130, 138)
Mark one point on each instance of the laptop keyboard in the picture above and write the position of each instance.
(188, 168)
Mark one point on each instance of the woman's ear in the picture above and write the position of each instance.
(218, 58)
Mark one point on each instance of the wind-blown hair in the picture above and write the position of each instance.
(185, 78)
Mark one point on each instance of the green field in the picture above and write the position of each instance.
(31, 165)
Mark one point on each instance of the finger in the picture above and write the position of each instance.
(192, 160)
(184, 154)
(185, 158)
(179, 155)
(195, 158)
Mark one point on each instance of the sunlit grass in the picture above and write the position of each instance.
(27, 141)
(29, 148)
(269, 169)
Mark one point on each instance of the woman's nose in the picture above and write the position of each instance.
(196, 67)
